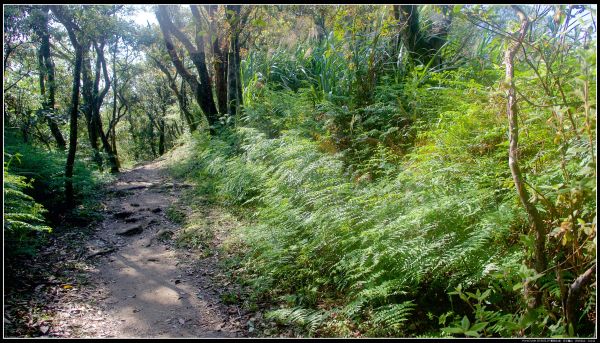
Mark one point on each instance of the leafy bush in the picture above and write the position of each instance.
(318, 234)
(45, 171)
(24, 223)
(376, 235)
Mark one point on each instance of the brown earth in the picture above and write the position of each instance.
(136, 281)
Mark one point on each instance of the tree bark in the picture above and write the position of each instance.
(421, 46)
(535, 221)
(219, 63)
(88, 108)
(574, 293)
(188, 116)
(202, 90)
(233, 79)
(98, 99)
(161, 135)
(113, 121)
(47, 70)
(70, 26)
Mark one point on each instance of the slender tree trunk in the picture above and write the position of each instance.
(201, 89)
(161, 136)
(537, 226)
(181, 98)
(112, 159)
(69, 197)
(88, 108)
(113, 146)
(113, 140)
(233, 82)
(574, 293)
(184, 106)
(219, 64)
(152, 148)
(47, 70)
(238, 76)
(98, 97)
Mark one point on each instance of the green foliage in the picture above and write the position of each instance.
(310, 320)
(375, 185)
(489, 322)
(175, 215)
(45, 172)
(314, 238)
(371, 233)
(24, 222)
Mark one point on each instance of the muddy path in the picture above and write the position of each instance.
(134, 281)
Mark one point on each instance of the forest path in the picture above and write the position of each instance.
(151, 288)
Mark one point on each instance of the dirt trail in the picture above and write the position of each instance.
(145, 286)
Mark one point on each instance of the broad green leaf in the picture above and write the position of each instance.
(465, 323)
(478, 326)
(453, 330)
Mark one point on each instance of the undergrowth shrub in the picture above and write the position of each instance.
(364, 251)
(371, 241)
(45, 170)
(24, 223)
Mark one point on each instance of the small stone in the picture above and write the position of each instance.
(122, 214)
(132, 230)
(132, 219)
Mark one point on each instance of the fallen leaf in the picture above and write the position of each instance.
(44, 329)
(67, 286)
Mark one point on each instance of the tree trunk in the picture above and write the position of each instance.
(98, 100)
(184, 106)
(233, 82)
(115, 117)
(201, 90)
(69, 197)
(219, 64)
(421, 46)
(539, 230)
(47, 70)
(574, 293)
(188, 116)
(88, 108)
(161, 136)
(152, 140)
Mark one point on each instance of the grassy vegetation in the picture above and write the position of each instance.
(34, 180)
(380, 171)
(428, 241)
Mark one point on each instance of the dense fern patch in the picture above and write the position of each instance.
(377, 241)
